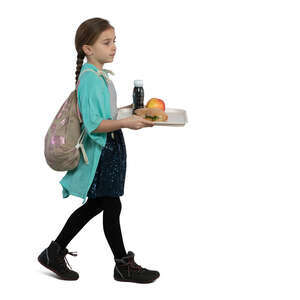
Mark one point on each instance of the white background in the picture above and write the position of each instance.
(214, 206)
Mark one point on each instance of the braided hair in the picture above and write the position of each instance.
(79, 63)
(86, 34)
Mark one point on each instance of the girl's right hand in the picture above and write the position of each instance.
(136, 122)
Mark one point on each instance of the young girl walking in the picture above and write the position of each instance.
(102, 179)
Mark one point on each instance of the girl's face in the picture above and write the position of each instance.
(104, 49)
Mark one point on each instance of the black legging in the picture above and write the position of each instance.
(111, 223)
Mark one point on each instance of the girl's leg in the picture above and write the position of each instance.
(78, 219)
(111, 225)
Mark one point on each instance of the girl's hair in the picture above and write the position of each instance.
(86, 34)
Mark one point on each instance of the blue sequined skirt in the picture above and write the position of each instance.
(110, 175)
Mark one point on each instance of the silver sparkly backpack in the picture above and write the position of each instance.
(64, 137)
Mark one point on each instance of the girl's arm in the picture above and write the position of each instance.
(110, 125)
(132, 122)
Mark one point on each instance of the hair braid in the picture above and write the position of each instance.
(79, 63)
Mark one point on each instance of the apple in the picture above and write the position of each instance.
(156, 103)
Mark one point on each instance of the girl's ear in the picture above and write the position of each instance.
(87, 50)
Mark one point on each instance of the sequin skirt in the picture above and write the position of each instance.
(109, 178)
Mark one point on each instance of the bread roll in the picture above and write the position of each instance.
(152, 114)
(141, 112)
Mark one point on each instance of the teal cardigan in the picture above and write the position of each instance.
(94, 104)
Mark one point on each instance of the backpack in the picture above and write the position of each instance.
(64, 137)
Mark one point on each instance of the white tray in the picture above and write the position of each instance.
(176, 117)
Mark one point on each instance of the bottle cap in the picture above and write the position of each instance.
(138, 83)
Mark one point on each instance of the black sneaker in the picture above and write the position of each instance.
(127, 270)
(53, 258)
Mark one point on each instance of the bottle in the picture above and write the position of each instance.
(138, 95)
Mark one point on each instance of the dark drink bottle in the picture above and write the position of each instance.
(138, 95)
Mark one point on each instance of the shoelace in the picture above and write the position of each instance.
(134, 265)
(64, 259)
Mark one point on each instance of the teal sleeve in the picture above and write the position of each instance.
(91, 105)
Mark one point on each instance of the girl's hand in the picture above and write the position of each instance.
(136, 122)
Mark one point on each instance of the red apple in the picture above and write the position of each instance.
(156, 103)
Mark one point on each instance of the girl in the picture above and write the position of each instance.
(102, 179)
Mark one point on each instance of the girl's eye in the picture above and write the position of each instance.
(108, 43)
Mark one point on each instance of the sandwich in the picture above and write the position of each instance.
(152, 114)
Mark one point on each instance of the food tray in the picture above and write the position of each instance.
(176, 117)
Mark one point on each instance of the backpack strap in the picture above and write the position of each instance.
(99, 73)
(80, 145)
(109, 71)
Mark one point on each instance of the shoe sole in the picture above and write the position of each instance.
(128, 280)
(64, 278)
